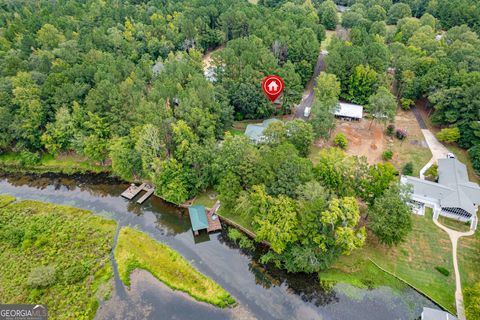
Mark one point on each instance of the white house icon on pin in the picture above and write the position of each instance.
(273, 86)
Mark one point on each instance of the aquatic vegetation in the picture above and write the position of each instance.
(5, 200)
(54, 255)
(137, 250)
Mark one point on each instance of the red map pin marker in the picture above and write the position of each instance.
(273, 87)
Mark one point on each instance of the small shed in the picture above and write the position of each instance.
(198, 217)
(349, 111)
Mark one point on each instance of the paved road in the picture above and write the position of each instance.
(308, 94)
(454, 236)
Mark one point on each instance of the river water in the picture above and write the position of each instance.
(261, 292)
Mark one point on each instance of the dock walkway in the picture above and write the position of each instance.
(133, 191)
(149, 191)
(214, 223)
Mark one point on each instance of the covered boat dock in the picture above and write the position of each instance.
(201, 218)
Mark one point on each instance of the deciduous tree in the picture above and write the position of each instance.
(390, 217)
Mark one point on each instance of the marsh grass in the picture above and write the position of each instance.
(35, 234)
(137, 250)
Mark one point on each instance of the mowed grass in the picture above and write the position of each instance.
(241, 220)
(413, 261)
(360, 272)
(413, 149)
(454, 224)
(468, 254)
(67, 164)
(204, 199)
(73, 242)
(137, 250)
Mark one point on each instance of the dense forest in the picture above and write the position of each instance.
(122, 83)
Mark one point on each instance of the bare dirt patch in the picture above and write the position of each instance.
(371, 142)
(207, 58)
(363, 140)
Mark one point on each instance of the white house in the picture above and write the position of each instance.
(454, 196)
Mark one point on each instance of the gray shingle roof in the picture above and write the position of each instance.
(453, 189)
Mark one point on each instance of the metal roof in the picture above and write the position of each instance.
(198, 217)
(349, 110)
(434, 314)
(453, 189)
(255, 131)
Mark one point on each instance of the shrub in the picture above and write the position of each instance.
(475, 155)
(28, 158)
(401, 134)
(41, 277)
(242, 240)
(406, 103)
(75, 274)
(341, 141)
(443, 271)
(449, 135)
(12, 235)
(407, 169)
(390, 129)
(432, 172)
(387, 155)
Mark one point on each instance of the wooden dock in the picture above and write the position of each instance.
(134, 190)
(149, 191)
(214, 223)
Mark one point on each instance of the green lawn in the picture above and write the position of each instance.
(236, 132)
(204, 198)
(406, 152)
(68, 164)
(361, 273)
(411, 149)
(468, 253)
(72, 243)
(414, 261)
(243, 221)
(454, 224)
(137, 250)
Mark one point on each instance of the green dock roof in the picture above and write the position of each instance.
(198, 217)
